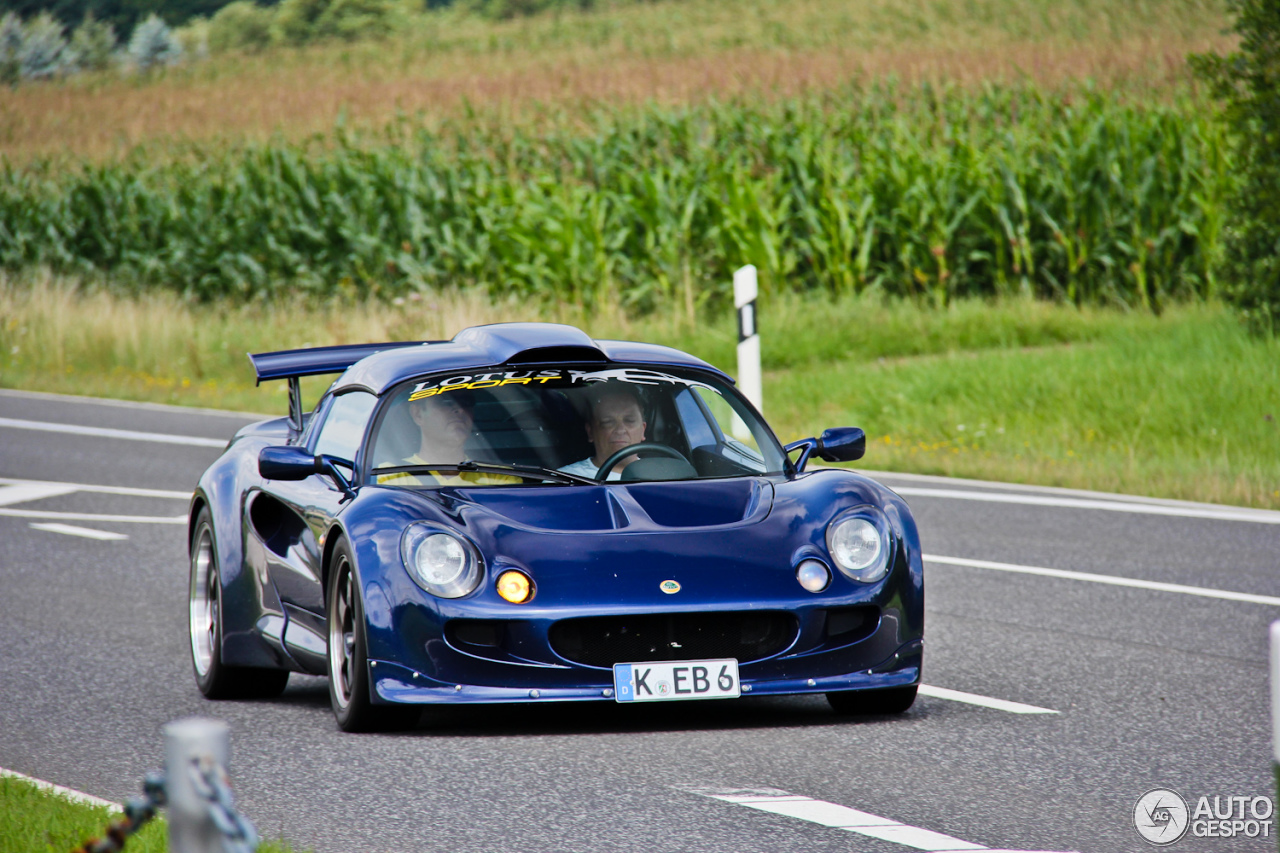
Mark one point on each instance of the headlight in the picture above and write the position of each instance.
(859, 544)
(441, 563)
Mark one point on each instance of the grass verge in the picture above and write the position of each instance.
(1183, 405)
(33, 820)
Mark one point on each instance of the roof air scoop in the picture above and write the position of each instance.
(543, 355)
(529, 343)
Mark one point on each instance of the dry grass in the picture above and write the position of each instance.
(446, 64)
(62, 337)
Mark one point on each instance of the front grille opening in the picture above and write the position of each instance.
(850, 624)
(487, 634)
(605, 640)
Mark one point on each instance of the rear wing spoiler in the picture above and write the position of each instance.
(292, 364)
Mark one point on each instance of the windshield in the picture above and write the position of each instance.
(505, 427)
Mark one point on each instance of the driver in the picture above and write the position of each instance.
(444, 422)
(615, 422)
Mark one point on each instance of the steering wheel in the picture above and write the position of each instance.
(618, 456)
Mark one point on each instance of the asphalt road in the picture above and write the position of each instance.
(1153, 688)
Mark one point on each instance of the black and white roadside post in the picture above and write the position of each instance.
(745, 290)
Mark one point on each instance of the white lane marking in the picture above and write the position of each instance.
(984, 701)
(1111, 580)
(88, 516)
(102, 490)
(85, 532)
(952, 482)
(1257, 516)
(133, 404)
(775, 801)
(103, 432)
(67, 793)
(23, 492)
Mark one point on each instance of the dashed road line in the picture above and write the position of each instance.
(775, 801)
(22, 492)
(104, 432)
(88, 516)
(983, 701)
(1111, 580)
(102, 490)
(83, 532)
(81, 399)
(64, 792)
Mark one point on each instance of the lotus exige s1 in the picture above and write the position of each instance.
(525, 514)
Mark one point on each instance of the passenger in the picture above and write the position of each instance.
(444, 422)
(614, 422)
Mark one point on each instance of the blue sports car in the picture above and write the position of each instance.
(525, 514)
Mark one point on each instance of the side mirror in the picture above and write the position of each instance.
(295, 463)
(840, 444)
(287, 463)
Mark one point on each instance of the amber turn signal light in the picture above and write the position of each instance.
(515, 586)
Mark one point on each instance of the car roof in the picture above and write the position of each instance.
(378, 367)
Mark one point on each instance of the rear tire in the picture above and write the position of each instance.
(348, 662)
(888, 700)
(204, 619)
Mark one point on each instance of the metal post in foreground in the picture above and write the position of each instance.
(1275, 707)
(190, 743)
(745, 289)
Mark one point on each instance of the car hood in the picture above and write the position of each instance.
(634, 507)
(726, 542)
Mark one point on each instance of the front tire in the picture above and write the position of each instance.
(885, 701)
(348, 661)
(215, 679)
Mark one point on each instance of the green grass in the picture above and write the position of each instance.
(1182, 406)
(1185, 404)
(38, 821)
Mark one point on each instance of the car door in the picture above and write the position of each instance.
(291, 518)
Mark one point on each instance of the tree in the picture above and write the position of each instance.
(93, 43)
(242, 25)
(1247, 81)
(44, 52)
(10, 47)
(153, 44)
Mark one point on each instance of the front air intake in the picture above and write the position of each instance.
(603, 641)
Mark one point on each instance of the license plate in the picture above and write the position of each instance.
(662, 681)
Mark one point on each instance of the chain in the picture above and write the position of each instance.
(137, 812)
(210, 781)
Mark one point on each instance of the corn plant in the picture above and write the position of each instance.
(925, 193)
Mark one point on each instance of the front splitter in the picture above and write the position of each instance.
(396, 684)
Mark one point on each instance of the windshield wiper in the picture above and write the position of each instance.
(490, 467)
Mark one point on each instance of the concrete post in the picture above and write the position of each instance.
(186, 741)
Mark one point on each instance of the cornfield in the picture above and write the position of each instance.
(928, 193)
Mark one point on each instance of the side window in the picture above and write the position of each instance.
(696, 427)
(740, 439)
(344, 425)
